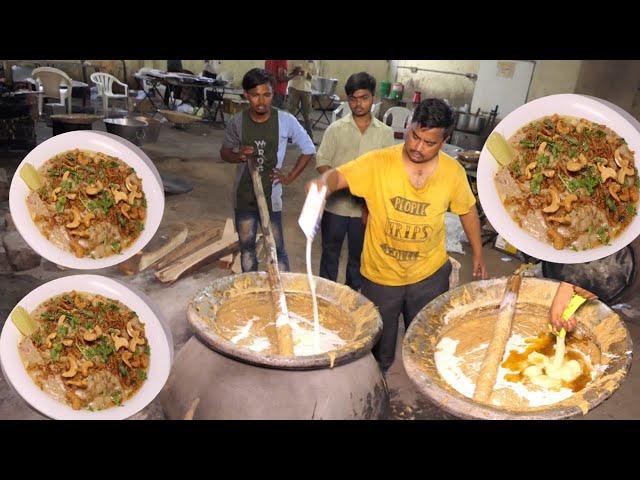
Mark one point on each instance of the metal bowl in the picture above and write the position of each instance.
(201, 315)
(129, 128)
(326, 86)
(595, 320)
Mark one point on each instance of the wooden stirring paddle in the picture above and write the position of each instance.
(283, 328)
(501, 333)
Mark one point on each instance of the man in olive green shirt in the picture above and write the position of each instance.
(346, 139)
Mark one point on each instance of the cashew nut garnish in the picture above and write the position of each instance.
(530, 167)
(61, 320)
(49, 338)
(558, 240)
(624, 195)
(82, 159)
(624, 171)
(77, 383)
(132, 331)
(562, 129)
(568, 200)
(71, 196)
(80, 233)
(54, 195)
(126, 356)
(555, 201)
(125, 209)
(542, 147)
(564, 219)
(119, 342)
(67, 342)
(577, 165)
(118, 196)
(79, 302)
(618, 158)
(76, 219)
(135, 341)
(549, 173)
(65, 176)
(87, 219)
(614, 188)
(73, 367)
(606, 172)
(94, 189)
(131, 182)
(85, 365)
(93, 334)
(132, 196)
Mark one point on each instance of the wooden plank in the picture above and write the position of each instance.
(190, 246)
(236, 266)
(227, 261)
(283, 328)
(167, 238)
(207, 253)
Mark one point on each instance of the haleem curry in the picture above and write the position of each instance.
(87, 203)
(84, 350)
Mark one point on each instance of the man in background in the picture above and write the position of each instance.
(279, 70)
(344, 140)
(262, 131)
(300, 90)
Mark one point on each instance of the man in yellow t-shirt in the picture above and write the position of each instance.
(408, 188)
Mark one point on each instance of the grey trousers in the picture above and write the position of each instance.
(297, 97)
(406, 299)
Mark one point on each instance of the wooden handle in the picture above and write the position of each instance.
(501, 333)
(283, 329)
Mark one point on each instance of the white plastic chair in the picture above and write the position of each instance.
(340, 112)
(375, 109)
(50, 80)
(399, 116)
(104, 82)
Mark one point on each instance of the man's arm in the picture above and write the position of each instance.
(302, 140)
(471, 225)
(231, 151)
(301, 163)
(332, 179)
(228, 155)
(326, 151)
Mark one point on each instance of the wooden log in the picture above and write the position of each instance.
(283, 328)
(166, 239)
(501, 333)
(190, 246)
(203, 255)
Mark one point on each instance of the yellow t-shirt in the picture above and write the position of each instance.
(404, 241)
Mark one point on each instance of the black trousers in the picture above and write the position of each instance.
(408, 300)
(334, 228)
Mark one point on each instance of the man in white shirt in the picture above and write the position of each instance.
(300, 90)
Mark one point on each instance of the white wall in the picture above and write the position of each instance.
(504, 83)
(457, 89)
(554, 76)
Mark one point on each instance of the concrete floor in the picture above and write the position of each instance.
(193, 155)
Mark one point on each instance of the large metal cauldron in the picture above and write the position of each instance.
(326, 86)
(213, 378)
(596, 321)
(129, 128)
